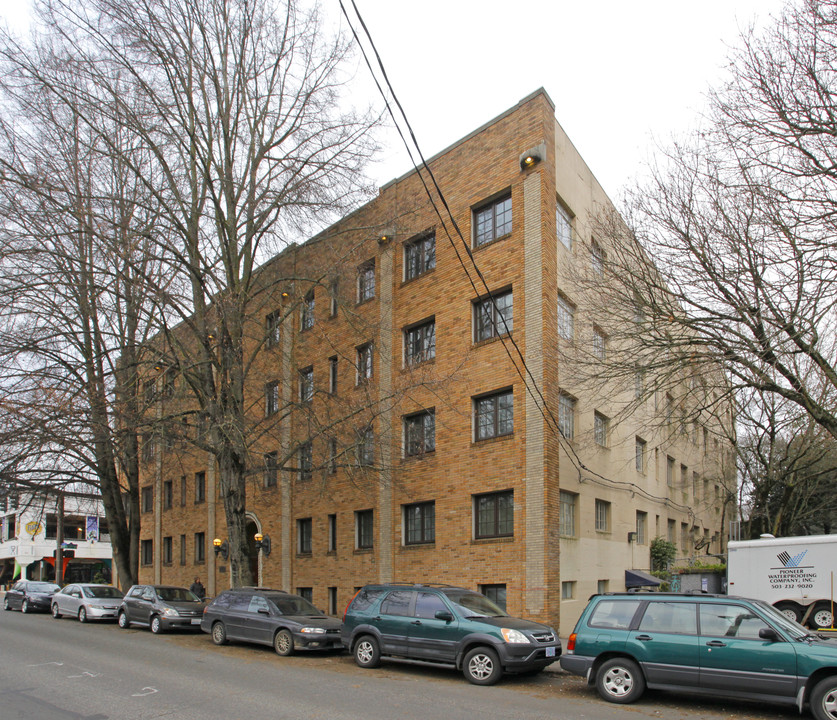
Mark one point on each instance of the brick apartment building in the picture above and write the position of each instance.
(396, 388)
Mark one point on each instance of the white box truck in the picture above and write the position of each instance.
(798, 575)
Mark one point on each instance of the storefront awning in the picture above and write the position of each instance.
(637, 578)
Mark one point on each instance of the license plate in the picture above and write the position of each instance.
(196, 621)
(550, 652)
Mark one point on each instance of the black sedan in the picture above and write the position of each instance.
(30, 595)
(270, 617)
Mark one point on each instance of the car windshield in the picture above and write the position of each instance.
(42, 587)
(293, 605)
(102, 591)
(471, 604)
(794, 629)
(173, 594)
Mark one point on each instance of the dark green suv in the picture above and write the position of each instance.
(445, 626)
(712, 644)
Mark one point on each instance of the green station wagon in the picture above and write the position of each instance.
(713, 644)
(445, 626)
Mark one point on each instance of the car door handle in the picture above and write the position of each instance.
(416, 622)
(644, 638)
(716, 643)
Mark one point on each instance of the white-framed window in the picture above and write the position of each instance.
(420, 433)
(494, 415)
(307, 311)
(669, 471)
(568, 502)
(567, 589)
(273, 329)
(364, 363)
(492, 220)
(493, 316)
(600, 429)
(366, 447)
(599, 344)
(306, 462)
(420, 342)
(641, 527)
(366, 281)
(419, 523)
(271, 398)
(640, 455)
(419, 256)
(597, 257)
(566, 416)
(564, 226)
(306, 384)
(602, 515)
(566, 318)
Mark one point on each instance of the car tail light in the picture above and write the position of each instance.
(349, 603)
(571, 643)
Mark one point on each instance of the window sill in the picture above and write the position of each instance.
(488, 441)
(304, 554)
(419, 457)
(417, 277)
(489, 540)
(419, 546)
(364, 551)
(417, 364)
(492, 339)
(489, 243)
(365, 301)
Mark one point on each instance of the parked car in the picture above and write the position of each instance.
(30, 595)
(446, 626)
(270, 617)
(87, 601)
(160, 607)
(712, 644)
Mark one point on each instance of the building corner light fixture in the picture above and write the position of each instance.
(263, 543)
(532, 156)
(222, 548)
(529, 160)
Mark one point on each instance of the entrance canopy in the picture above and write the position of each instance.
(637, 578)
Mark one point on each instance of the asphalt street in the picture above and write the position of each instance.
(63, 670)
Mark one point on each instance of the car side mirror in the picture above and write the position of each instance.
(264, 611)
(768, 633)
(444, 615)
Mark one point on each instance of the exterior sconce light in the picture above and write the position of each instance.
(158, 365)
(631, 537)
(528, 161)
(286, 295)
(532, 156)
(263, 543)
(221, 548)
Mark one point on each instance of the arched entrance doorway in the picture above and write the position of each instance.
(252, 552)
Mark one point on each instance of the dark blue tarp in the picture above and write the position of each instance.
(637, 578)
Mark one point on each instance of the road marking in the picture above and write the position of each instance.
(85, 673)
(46, 663)
(150, 690)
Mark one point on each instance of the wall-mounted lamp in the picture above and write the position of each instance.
(286, 295)
(221, 548)
(529, 160)
(263, 543)
(158, 365)
(631, 537)
(532, 156)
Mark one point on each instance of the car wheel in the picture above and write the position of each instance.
(123, 621)
(822, 617)
(82, 615)
(55, 612)
(6, 605)
(367, 653)
(24, 606)
(620, 681)
(219, 633)
(824, 699)
(156, 625)
(481, 666)
(790, 610)
(283, 643)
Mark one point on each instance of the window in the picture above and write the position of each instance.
(641, 527)
(695, 484)
(307, 317)
(168, 494)
(602, 515)
(566, 318)
(271, 398)
(169, 382)
(305, 461)
(366, 281)
(146, 552)
(492, 221)
(684, 478)
(597, 257)
(303, 533)
(420, 433)
(306, 593)
(147, 499)
(397, 603)
(419, 256)
(200, 487)
(494, 415)
(273, 325)
(602, 586)
(332, 533)
(182, 549)
(614, 614)
(669, 471)
(271, 469)
(332, 601)
(332, 375)
(600, 429)
(563, 226)
(670, 617)
(428, 604)
(567, 502)
(639, 383)
(672, 531)
(420, 342)
(148, 450)
(333, 297)
(496, 593)
(366, 447)
(494, 514)
(568, 590)
(332, 455)
(684, 537)
(167, 550)
(729, 621)
(306, 384)
(640, 455)
(493, 316)
(364, 527)
(200, 547)
(420, 523)
(182, 491)
(364, 363)
(599, 344)
(566, 416)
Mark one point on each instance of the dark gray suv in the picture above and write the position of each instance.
(446, 626)
(270, 617)
(160, 607)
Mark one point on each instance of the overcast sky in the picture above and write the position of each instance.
(621, 74)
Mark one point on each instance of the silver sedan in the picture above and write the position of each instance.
(87, 601)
